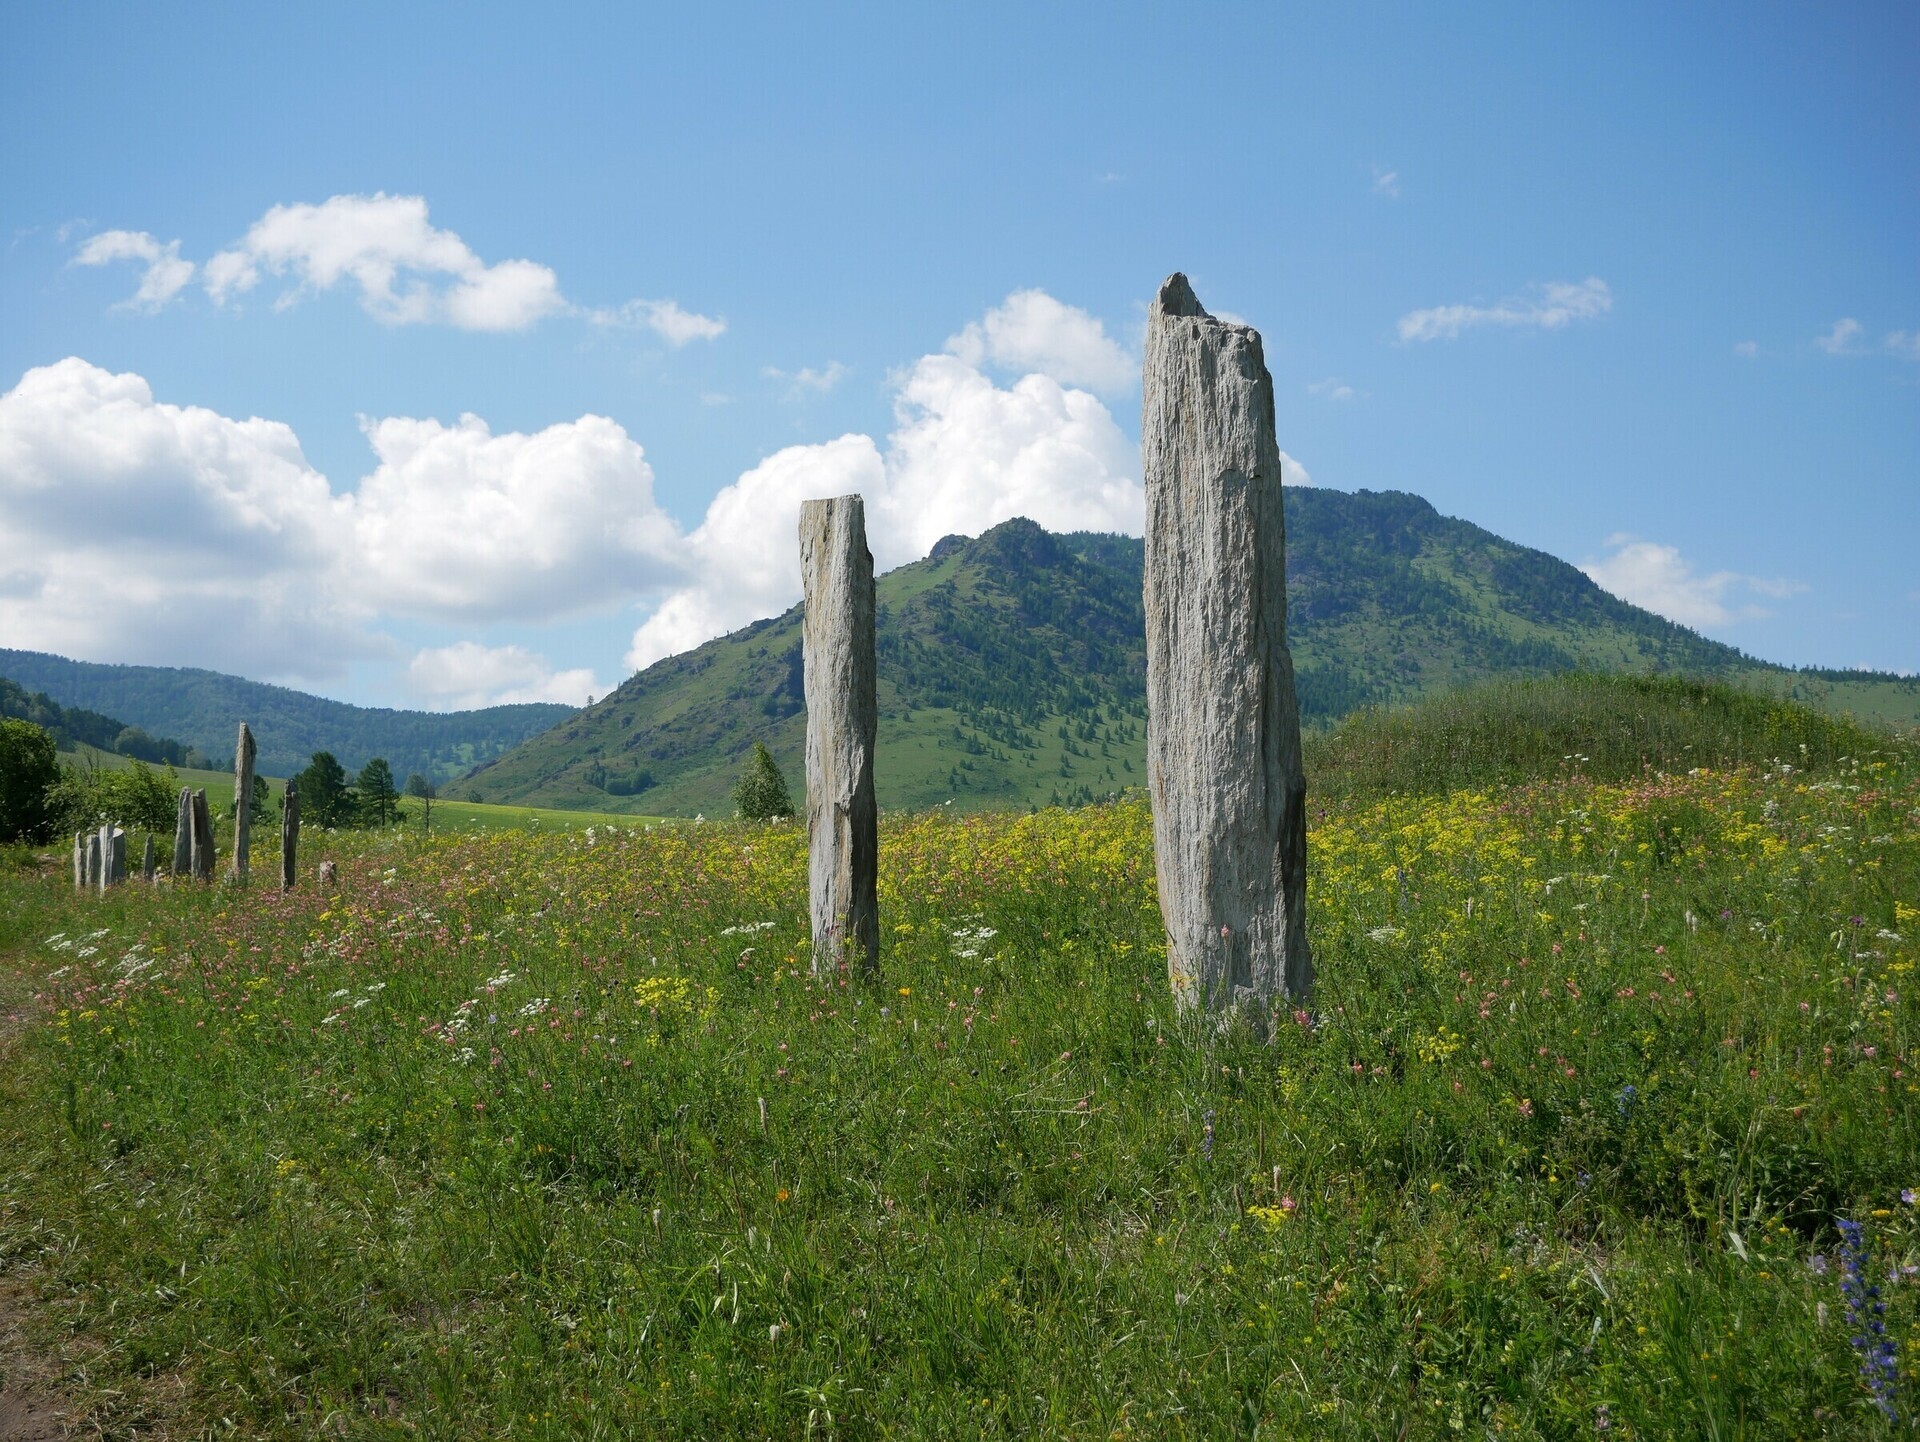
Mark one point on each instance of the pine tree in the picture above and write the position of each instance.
(325, 798)
(378, 794)
(761, 793)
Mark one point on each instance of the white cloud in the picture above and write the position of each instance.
(1660, 579)
(1386, 182)
(964, 455)
(407, 271)
(136, 530)
(467, 675)
(807, 380)
(166, 273)
(1843, 339)
(1552, 306)
(131, 529)
(456, 522)
(1904, 343)
(1332, 389)
(1746, 349)
(664, 318)
(1030, 331)
(745, 555)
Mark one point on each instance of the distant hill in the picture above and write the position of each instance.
(203, 709)
(1013, 665)
(73, 727)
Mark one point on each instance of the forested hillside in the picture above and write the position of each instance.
(203, 709)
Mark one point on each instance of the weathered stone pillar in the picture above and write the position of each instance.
(243, 754)
(113, 857)
(329, 875)
(1223, 726)
(93, 860)
(79, 861)
(146, 859)
(289, 834)
(836, 571)
(202, 837)
(183, 835)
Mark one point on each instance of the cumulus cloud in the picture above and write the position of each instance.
(1904, 343)
(1747, 349)
(461, 524)
(1030, 331)
(1659, 578)
(1386, 182)
(407, 270)
(165, 276)
(964, 455)
(1332, 389)
(1552, 306)
(467, 675)
(133, 529)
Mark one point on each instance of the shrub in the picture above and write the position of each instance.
(27, 769)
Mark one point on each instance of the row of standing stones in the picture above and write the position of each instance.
(1224, 768)
(1223, 725)
(100, 858)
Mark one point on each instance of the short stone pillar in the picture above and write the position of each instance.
(1223, 726)
(289, 834)
(183, 835)
(93, 860)
(79, 861)
(147, 859)
(243, 754)
(202, 837)
(329, 874)
(836, 571)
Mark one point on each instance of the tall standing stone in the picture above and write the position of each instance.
(79, 861)
(147, 859)
(113, 857)
(183, 835)
(243, 754)
(289, 834)
(93, 860)
(202, 837)
(836, 571)
(1223, 726)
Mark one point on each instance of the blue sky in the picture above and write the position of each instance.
(1635, 286)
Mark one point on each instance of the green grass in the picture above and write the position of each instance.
(1605, 727)
(529, 1134)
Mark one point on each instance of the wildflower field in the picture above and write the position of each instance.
(1602, 1120)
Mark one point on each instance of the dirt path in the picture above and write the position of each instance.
(31, 1408)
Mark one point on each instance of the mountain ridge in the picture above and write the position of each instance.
(1012, 664)
(204, 708)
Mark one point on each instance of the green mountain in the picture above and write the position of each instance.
(1013, 665)
(75, 726)
(204, 708)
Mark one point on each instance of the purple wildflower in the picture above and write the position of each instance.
(1867, 1314)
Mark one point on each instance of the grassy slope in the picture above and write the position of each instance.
(1559, 1159)
(989, 647)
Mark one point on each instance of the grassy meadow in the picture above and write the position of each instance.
(540, 1133)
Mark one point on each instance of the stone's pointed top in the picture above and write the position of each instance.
(1177, 298)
